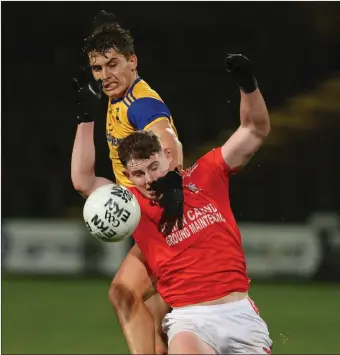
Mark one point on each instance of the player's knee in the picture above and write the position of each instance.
(123, 300)
(120, 296)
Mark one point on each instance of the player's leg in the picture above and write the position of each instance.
(248, 333)
(158, 309)
(232, 327)
(189, 331)
(187, 342)
(126, 294)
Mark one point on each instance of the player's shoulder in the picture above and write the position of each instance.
(203, 161)
(144, 106)
(141, 89)
(142, 200)
(150, 210)
(137, 194)
(210, 161)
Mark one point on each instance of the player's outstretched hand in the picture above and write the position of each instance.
(240, 68)
(88, 94)
(169, 182)
(170, 186)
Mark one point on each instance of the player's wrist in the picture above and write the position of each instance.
(84, 123)
(85, 118)
(247, 84)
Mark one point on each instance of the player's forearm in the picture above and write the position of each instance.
(83, 160)
(170, 141)
(254, 113)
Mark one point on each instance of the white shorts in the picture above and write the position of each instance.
(230, 328)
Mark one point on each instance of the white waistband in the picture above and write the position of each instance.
(212, 307)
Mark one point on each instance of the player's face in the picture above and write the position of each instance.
(117, 72)
(143, 172)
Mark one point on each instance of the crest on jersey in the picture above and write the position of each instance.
(117, 115)
(189, 171)
(110, 127)
(193, 188)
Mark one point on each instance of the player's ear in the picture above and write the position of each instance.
(167, 153)
(126, 174)
(133, 61)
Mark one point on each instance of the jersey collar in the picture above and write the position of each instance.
(128, 92)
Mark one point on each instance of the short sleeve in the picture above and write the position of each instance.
(145, 110)
(210, 173)
(214, 160)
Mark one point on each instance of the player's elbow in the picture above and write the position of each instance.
(80, 184)
(265, 129)
(170, 141)
(77, 182)
(169, 138)
(261, 127)
(254, 114)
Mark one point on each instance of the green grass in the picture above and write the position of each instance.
(74, 317)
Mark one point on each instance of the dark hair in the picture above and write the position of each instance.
(107, 34)
(138, 145)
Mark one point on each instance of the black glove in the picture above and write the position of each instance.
(171, 188)
(240, 68)
(88, 95)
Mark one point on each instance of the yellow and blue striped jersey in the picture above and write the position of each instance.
(138, 110)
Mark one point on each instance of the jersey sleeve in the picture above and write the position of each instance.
(210, 173)
(146, 110)
(214, 161)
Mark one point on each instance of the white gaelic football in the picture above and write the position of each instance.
(111, 213)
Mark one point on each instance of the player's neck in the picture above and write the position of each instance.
(133, 80)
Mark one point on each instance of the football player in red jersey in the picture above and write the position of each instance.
(189, 239)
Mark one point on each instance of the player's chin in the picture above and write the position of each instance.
(151, 195)
(113, 93)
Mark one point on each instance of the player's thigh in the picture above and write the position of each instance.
(189, 331)
(131, 278)
(248, 333)
(188, 342)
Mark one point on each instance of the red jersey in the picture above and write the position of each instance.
(204, 260)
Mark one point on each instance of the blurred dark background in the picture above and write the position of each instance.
(290, 189)
(180, 46)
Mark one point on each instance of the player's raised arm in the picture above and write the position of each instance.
(83, 155)
(169, 141)
(152, 114)
(255, 125)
